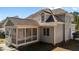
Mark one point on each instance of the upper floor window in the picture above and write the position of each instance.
(42, 17)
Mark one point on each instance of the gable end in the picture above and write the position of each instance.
(9, 23)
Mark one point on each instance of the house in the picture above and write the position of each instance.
(50, 26)
(73, 29)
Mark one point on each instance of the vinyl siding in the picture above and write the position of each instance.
(47, 39)
(58, 33)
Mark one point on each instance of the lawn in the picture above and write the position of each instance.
(2, 41)
(70, 45)
(39, 46)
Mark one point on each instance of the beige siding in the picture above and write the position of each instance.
(58, 36)
(67, 27)
(47, 39)
(73, 29)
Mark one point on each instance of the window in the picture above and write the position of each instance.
(42, 17)
(50, 19)
(46, 31)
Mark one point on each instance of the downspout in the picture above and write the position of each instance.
(64, 32)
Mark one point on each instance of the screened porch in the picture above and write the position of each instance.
(22, 36)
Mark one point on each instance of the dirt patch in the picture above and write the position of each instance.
(2, 41)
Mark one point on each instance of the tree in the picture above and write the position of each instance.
(76, 19)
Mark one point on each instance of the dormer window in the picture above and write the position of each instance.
(42, 17)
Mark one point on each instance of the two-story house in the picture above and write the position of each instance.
(50, 26)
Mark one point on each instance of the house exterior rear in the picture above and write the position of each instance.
(50, 26)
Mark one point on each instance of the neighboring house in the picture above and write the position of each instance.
(50, 26)
(73, 30)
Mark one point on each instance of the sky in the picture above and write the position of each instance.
(24, 12)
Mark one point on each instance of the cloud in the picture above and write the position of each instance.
(53, 8)
(75, 9)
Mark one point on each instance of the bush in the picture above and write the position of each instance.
(2, 34)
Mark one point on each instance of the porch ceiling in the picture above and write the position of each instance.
(26, 26)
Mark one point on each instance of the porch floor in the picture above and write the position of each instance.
(39, 46)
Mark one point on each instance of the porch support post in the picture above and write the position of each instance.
(25, 35)
(31, 33)
(54, 36)
(16, 37)
(37, 33)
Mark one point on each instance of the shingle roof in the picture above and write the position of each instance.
(55, 12)
(19, 21)
(59, 11)
(58, 14)
(60, 18)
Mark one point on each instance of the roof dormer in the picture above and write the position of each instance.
(42, 17)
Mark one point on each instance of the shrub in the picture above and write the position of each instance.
(2, 34)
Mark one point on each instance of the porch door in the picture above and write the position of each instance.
(8, 36)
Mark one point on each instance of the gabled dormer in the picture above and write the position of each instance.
(42, 17)
(46, 17)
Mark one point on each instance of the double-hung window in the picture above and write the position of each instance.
(46, 31)
(42, 17)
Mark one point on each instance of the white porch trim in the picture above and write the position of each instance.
(16, 35)
(15, 45)
(31, 37)
(27, 43)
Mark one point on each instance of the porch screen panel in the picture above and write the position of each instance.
(13, 36)
(34, 33)
(28, 34)
(21, 36)
(7, 32)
